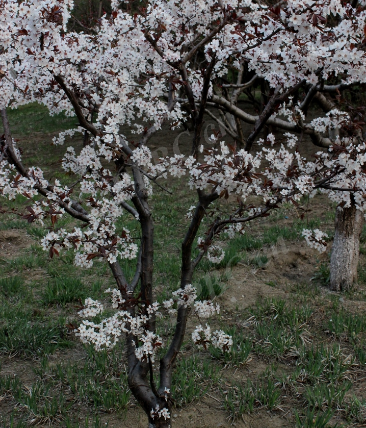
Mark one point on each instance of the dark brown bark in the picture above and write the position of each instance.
(161, 424)
(187, 269)
(198, 115)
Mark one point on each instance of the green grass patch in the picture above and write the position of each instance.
(22, 334)
(322, 364)
(343, 321)
(242, 399)
(11, 285)
(192, 378)
(100, 380)
(64, 290)
(31, 118)
(314, 419)
(325, 395)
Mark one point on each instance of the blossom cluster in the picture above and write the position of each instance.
(106, 333)
(202, 337)
(158, 413)
(316, 239)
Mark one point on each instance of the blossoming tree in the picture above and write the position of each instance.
(301, 52)
(165, 65)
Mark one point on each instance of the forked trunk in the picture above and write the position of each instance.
(161, 424)
(345, 251)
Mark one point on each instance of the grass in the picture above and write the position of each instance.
(322, 274)
(360, 352)
(32, 118)
(242, 399)
(27, 337)
(60, 291)
(278, 327)
(324, 364)
(301, 351)
(13, 224)
(356, 410)
(323, 395)
(211, 285)
(344, 322)
(11, 286)
(314, 419)
(192, 378)
(100, 380)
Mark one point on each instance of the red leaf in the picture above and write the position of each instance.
(53, 219)
(212, 182)
(232, 147)
(71, 327)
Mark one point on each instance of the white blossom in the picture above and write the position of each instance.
(316, 239)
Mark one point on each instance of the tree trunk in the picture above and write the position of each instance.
(161, 424)
(345, 251)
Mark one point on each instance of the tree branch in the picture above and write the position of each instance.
(77, 108)
(233, 135)
(75, 210)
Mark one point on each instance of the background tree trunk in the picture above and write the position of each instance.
(345, 251)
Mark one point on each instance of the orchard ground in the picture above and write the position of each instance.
(299, 354)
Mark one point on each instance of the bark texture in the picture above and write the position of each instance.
(162, 424)
(345, 251)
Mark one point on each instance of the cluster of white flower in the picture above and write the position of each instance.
(116, 297)
(206, 309)
(168, 305)
(142, 156)
(150, 344)
(106, 333)
(316, 239)
(234, 229)
(91, 308)
(103, 335)
(189, 214)
(333, 120)
(203, 337)
(215, 254)
(153, 308)
(158, 413)
(291, 139)
(221, 340)
(185, 296)
(123, 189)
